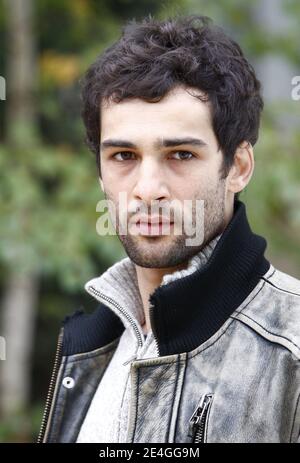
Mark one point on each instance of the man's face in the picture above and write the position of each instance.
(151, 174)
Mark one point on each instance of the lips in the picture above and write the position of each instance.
(153, 226)
(153, 221)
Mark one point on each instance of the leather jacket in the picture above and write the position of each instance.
(228, 370)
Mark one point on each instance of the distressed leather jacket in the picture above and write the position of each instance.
(228, 338)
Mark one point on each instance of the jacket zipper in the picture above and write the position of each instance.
(198, 420)
(152, 324)
(105, 298)
(49, 399)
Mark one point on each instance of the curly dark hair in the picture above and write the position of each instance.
(153, 56)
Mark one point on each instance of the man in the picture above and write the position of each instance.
(190, 342)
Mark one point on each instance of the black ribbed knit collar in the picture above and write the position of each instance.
(188, 311)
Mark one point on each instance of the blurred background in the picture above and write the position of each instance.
(48, 179)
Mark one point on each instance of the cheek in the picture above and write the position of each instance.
(198, 186)
(113, 184)
(108, 190)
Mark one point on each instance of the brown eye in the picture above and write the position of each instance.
(183, 155)
(123, 156)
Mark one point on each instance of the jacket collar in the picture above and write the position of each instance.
(187, 310)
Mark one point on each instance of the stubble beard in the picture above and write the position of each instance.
(171, 250)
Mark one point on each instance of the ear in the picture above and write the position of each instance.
(242, 169)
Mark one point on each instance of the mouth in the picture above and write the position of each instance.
(154, 227)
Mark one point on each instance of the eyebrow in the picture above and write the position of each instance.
(159, 143)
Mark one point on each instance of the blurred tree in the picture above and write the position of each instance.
(20, 291)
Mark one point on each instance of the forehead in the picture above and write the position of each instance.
(179, 110)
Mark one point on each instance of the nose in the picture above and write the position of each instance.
(151, 182)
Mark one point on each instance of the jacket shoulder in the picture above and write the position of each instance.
(284, 282)
(274, 310)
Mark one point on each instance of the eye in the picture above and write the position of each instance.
(183, 155)
(123, 156)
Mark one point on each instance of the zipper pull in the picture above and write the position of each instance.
(198, 418)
